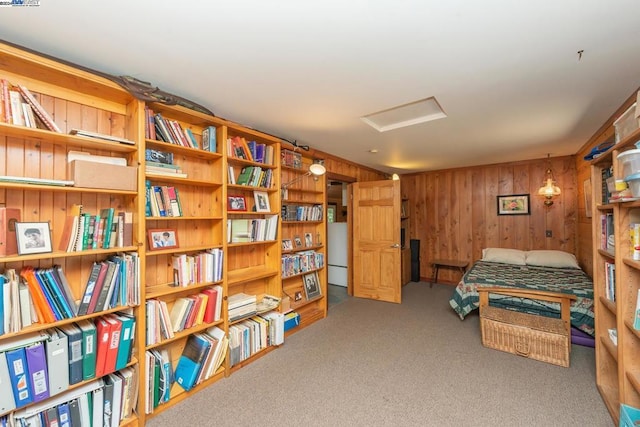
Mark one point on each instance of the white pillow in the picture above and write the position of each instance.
(506, 256)
(550, 258)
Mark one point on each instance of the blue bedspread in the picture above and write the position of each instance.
(563, 280)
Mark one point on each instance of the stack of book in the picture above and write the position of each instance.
(104, 230)
(241, 305)
(252, 230)
(19, 107)
(301, 262)
(162, 200)
(291, 212)
(158, 322)
(252, 335)
(160, 163)
(161, 377)
(197, 309)
(252, 176)
(198, 268)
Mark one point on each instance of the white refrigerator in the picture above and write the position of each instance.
(337, 253)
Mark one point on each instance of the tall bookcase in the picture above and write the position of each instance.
(616, 294)
(74, 99)
(304, 230)
(196, 229)
(252, 203)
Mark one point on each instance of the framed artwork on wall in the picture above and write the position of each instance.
(514, 204)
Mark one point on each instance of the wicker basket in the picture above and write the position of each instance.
(536, 337)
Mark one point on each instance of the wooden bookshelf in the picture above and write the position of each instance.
(617, 366)
(74, 99)
(308, 236)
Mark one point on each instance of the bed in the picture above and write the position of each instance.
(553, 271)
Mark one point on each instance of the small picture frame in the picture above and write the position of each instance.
(33, 237)
(287, 245)
(262, 201)
(162, 238)
(308, 240)
(515, 204)
(297, 241)
(236, 202)
(311, 285)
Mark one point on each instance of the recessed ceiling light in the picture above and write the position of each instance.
(373, 150)
(409, 114)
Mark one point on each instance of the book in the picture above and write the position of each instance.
(99, 284)
(190, 361)
(74, 351)
(8, 219)
(108, 214)
(64, 415)
(103, 334)
(17, 115)
(57, 360)
(115, 331)
(89, 338)
(126, 338)
(158, 156)
(37, 368)
(209, 141)
(42, 308)
(7, 402)
(88, 134)
(191, 137)
(6, 102)
(636, 321)
(89, 289)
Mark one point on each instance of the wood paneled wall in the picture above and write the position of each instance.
(454, 212)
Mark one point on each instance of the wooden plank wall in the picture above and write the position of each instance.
(584, 243)
(454, 212)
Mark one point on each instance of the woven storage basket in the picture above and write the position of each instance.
(536, 337)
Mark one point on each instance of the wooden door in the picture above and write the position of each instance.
(376, 240)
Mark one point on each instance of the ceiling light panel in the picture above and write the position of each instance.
(409, 114)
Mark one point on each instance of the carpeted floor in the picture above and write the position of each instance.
(372, 363)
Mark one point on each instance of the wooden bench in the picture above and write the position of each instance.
(447, 263)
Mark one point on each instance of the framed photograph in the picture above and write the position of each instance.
(308, 240)
(162, 238)
(236, 203)
(311, 285)
(515, 204)
(287, 245)
(262, 201)
(33, 237)
(297, 241)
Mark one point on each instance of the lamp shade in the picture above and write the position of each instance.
(317, 169)
(549, 189)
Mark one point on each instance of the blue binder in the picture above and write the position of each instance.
(19, 375)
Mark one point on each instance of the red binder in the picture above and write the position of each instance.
(103, 334)
(114, 341)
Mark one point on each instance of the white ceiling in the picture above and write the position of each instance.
(507, 73)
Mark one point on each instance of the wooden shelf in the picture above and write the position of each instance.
(64, 140)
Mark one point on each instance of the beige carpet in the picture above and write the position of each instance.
(372, 363)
